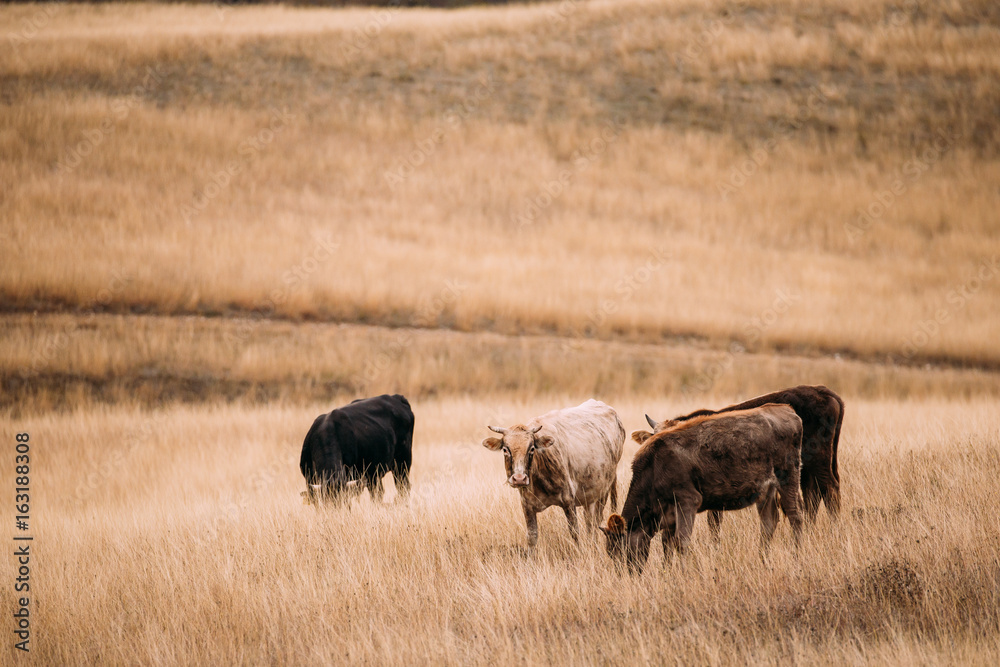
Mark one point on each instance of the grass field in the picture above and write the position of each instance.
(178, 536)
(217, 222)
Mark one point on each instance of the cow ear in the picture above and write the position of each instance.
(493, 444)
(616, 525)
(641, 436)
(543, 442)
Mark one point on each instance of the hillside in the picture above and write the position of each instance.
(806, 177)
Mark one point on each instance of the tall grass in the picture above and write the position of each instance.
(178, 537)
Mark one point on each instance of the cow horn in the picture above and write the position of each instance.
(498, 429)
(536, 429)
(649, 419)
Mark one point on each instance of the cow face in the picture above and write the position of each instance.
(629, 548)
(519, 446)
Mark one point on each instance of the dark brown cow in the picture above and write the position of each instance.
(715, 462)
(822, 413)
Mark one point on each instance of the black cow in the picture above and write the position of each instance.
(353, 447)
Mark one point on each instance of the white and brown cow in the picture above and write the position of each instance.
(566, 458)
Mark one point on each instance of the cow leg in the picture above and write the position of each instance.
(531, 521)
(336, 497)
(352, 490)
(677, 523)
(574, 530)
(715, 524)
(686, 508)
(811, 494)
(670, 543)
(767, 508)
(375, 488)
(592, 516)
(599, 514)
(588, 518)
(788, 497)
(831, 496)
(401, 476)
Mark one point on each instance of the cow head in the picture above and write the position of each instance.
(626, 547)
(642, 436)
(519, 445)
(335, 494)
(312, 495)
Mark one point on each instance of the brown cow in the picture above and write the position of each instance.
(567, 458)
(822, 413)
(716, 462)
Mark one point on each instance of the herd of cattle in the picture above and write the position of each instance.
(761, 451)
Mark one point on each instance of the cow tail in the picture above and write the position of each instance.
(836, 439)
(613, 496)
(305, 462)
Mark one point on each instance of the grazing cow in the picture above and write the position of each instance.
(822, 413)
(719, 462)
(565, 457)
(353, 447)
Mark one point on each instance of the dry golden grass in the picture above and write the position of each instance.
(681, 116)
(178, 537)
(166, 341)
(64, 361)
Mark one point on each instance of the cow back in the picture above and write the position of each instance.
(367, 434)
(588, 443)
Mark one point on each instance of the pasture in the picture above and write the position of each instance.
(217, 222)
(178, 536)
